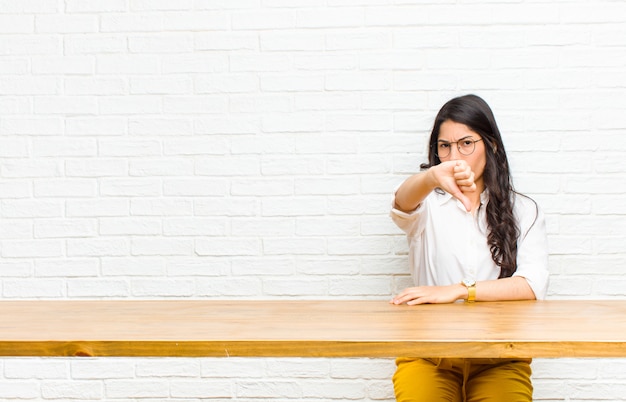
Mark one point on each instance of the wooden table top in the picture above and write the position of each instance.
(339, 328)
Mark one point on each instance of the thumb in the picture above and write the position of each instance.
(458, 194)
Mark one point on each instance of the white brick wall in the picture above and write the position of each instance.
(246, 149)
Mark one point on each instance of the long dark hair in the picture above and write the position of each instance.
(476, 114)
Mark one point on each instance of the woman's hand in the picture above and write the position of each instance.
(430, 294)
(457, 178)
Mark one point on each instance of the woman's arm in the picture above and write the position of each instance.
(513, 288)
(455, 177)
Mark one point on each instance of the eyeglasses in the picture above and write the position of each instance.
(466, 146)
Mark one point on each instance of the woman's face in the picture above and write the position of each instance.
(453, 135)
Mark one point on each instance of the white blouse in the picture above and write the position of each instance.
(448, 244)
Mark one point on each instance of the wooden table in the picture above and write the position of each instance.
(312, 329)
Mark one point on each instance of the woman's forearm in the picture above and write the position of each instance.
(413, 191)
(513, 288)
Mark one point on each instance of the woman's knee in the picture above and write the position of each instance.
(504, 382)
(418, 380)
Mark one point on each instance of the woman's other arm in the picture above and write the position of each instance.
(514, 288)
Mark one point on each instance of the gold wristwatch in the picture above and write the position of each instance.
(470, 284)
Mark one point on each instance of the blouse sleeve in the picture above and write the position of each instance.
(532, 248)
(410, 222)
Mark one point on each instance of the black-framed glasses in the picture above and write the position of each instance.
(466, 146)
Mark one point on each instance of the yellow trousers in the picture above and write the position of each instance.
(462, 380)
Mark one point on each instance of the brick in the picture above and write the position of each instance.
(204, 145)
(31, 6)
(85, 390)
(268, 389)
(294, 246)
(67, 268)
(262, 227)
(60, 228)
(66, 24)
(241, 125)
(97, 247)
(29, 85)
(136, 389)
(226, 207)
(161, 167)
(345, 390)
(202, 389)
(28, 208)
(304, 165)
(129, 226)
(31, 44)
(130, 187)
(309, 206)
(327, 266)
(229, 287)
(161, 246)
(199, 21)
(33, 288)
(229, 166)
(65, 105)
(278, 143)
(123, 147)
(20, 389)
(263, 103)
(233, 367)
(94, 44)
(228, 247)
(153, 85)
(263, 266)
(327, 226)
(160, 207)
(320, 186)
(195, 187)
(296, 288)
(363, 81)
(133, 266)
(259, 20)
(226, 41)
(298, 368)
(96, 167)
(97, 207)
(103, 369)
(21, 269)
(97, 288)
(380, 287)
(330, 17)
(35, 369)
(179, 367)
(194, 63)
(283, 42)
(66, 188)
(94, 86)
(158, 288)
(197, 266)
(160, 43)
(120, 22)
(159, 5)
(32, 248)
(16, 24)
(127, 64)
(194, 227)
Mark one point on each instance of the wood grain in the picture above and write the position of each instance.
(352, 328)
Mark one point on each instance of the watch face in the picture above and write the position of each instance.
(469, 282)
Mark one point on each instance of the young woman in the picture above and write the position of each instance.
(471, 237)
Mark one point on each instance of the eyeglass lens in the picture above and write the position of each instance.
(465, 146)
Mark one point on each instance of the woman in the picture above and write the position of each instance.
(471, 237)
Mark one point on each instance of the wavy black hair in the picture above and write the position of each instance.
(503, 228)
